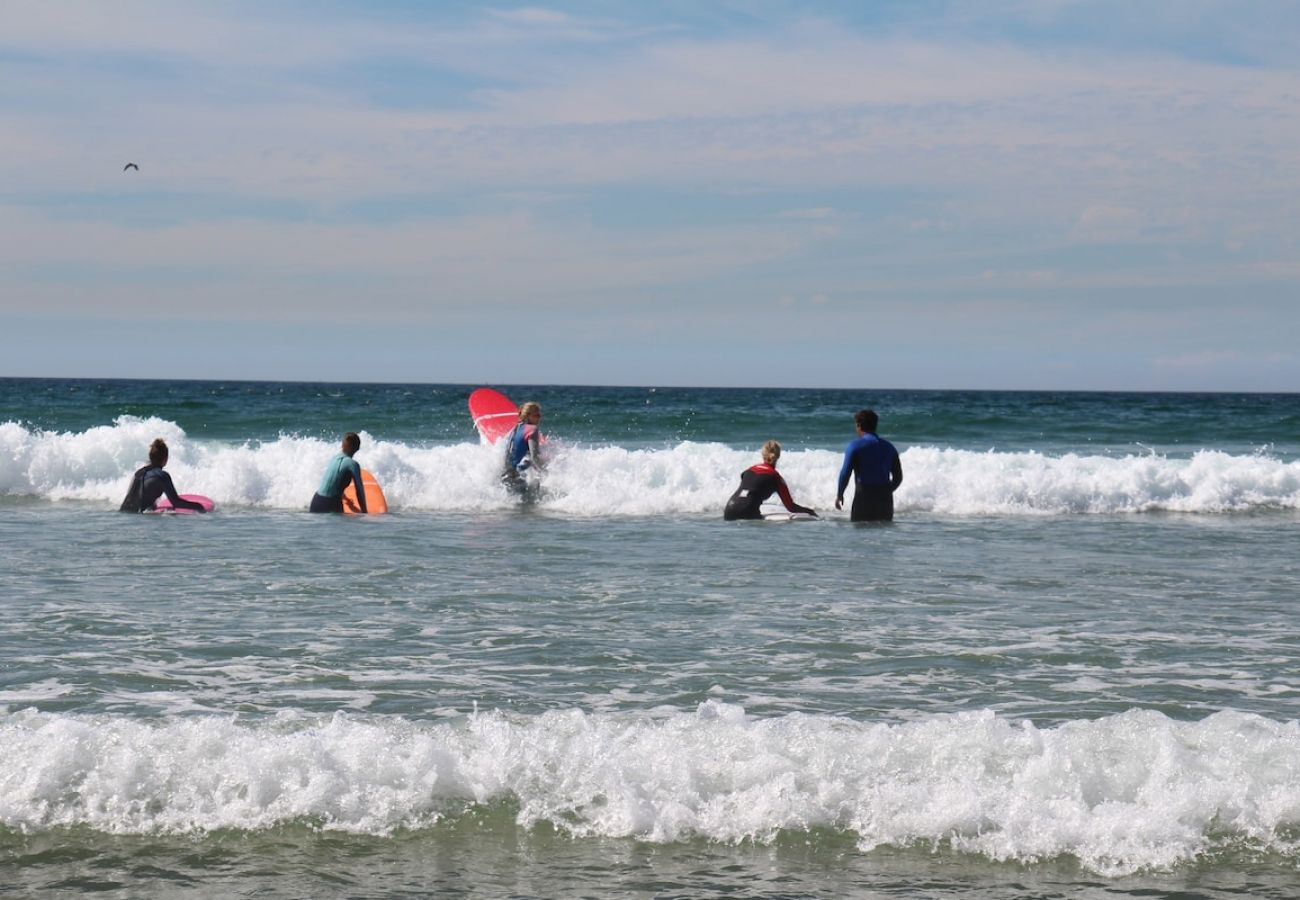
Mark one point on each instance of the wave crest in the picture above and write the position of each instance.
(685, 478)
(1122, 793)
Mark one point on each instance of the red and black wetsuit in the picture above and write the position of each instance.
(757, 483)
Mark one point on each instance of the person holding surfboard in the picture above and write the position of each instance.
(523, 448)
(759, 482)
(340, 471)
(873, 462)
(151, 482)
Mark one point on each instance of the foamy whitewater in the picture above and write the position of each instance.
(1067, 668)
(1121, 793)
(686, 478)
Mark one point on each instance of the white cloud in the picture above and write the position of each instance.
(407, 271)
(532, 15)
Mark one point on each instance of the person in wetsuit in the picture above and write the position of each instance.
(341, 470)
(759, 482)
(151, 482)
(523, 448)
(873, 462)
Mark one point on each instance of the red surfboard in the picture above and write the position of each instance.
(493, 413)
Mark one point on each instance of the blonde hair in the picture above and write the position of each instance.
(771, 452)
(527, 409)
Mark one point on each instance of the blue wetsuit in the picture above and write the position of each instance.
(523, 452)
(147, 485)
(329, 496)
(877, 472)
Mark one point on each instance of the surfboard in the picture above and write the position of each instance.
(376, 503)
(788, 517)
(163, 505)
(494, 414)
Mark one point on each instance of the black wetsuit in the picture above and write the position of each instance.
(149, 483)
(757, 483)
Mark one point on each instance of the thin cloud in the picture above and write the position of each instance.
(295, 158)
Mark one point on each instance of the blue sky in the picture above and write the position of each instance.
(961, 194)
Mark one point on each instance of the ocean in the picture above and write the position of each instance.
(1069, 668)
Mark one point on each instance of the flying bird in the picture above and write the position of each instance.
(130, 166)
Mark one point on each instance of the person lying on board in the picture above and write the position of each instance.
(340, 470)
(151, 482)
(523, 447)
(759, 482)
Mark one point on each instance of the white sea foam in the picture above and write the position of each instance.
(686, 478)
(1124, 793)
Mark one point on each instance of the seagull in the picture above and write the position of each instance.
(130, 166)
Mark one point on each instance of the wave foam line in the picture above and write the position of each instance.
(687, 478)
(1123, 793)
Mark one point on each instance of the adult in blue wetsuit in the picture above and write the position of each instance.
(341, 470)
(523, 448)
(757, 483)
(151, 482)
(877, 473)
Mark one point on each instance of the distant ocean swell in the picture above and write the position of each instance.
(681, 478)
(1121, 794)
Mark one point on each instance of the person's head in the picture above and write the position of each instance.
(351, 443)
(771, 452)
(530, 412)
(866, 420)
(158, 452)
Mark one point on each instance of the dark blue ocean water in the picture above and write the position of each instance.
(1046, 421)
(1068, 668)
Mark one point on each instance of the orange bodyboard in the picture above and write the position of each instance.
(375, 502)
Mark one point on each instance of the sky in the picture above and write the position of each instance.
(987, 194)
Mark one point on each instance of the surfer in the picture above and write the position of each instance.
(151, 482)
(340, 470)
(759, 482)
(877, 472)
(523, 448)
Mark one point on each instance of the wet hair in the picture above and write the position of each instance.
(771, 452)
(158, 452)
(351, 443)
(527, 409)
(866, 419)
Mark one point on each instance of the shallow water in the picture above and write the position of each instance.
(1057, 673)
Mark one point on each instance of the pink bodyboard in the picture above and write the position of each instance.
(165, 505)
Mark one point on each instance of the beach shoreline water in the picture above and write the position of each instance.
(1068, 666)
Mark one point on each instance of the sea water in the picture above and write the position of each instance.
(1067, 668)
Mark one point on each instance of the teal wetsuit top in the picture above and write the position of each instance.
(340, 470)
